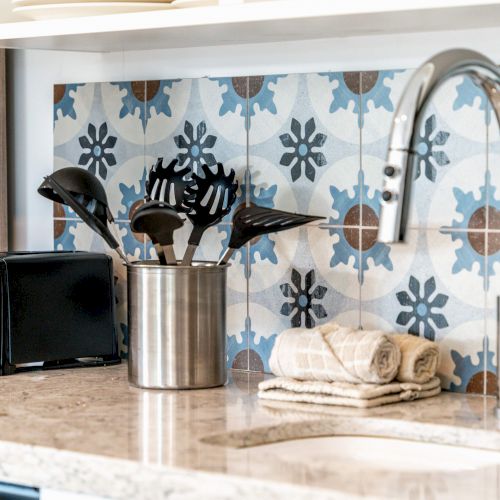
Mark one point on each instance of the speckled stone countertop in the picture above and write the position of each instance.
(88, 431)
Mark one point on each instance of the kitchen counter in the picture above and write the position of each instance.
(86, 430)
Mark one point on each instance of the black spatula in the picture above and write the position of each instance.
(210, 199)
(250, 222)
(159, 221)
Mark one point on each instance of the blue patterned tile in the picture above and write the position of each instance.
(316, 144)
(425, 294)
(296, 143)
(64, 234)
(300, 289)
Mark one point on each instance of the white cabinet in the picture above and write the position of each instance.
(248, 22)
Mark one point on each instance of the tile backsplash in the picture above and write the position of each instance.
(313, 143)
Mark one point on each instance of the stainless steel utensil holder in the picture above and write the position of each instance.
(177, 325)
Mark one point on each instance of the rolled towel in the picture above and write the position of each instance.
(332, 353)
(419, 359)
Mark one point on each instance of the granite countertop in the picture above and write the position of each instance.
(88, 431)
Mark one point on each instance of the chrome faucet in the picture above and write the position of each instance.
(402, 155)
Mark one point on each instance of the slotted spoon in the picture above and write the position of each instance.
(168, 184)
(210, 200)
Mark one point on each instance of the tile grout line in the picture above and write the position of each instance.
(247, 203)
(360, 230)
(486, 262)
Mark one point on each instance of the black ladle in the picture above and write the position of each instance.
(159, 221)
(253, 221)
(210, 199)
(168, 184)
(82, 204)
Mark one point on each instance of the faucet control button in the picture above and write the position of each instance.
(389, 171)
(386, 195)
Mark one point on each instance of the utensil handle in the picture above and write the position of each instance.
(122, 255)
(188, 256)
(227, 255)
(170, 255)
(161, 255)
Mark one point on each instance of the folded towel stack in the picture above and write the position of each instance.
(332, 364)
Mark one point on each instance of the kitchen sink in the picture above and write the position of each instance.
(383, 453)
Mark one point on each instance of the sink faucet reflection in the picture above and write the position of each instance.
(402, 155)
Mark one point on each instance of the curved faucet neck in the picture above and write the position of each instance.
(406, 124)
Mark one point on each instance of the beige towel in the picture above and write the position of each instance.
(332, 353)
(344, 393)
(419, 359)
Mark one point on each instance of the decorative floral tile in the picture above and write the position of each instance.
(72, 106)
(314, 144)
(64, 234)
(465, 358)
(194, 123)
(428, 298)
(99, 135)
(293, 143)
(300, 289)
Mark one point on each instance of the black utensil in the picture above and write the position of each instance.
(53, 190)
(159, 221)
(168, 184)
(82, 185)
(253, 221)
(211, 199)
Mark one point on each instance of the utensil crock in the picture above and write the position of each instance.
(177, 325)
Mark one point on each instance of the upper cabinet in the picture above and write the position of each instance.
(190, 24)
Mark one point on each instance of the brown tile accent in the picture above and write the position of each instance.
(59, 226)
(478, 219)
(494, 218)
(240, 361)
(58, 211)
(478, 241)
(139, 90)
(59, 91)
(491, 384)
(152, 87)
(240, 85)
(353, 216)
(352, 79)
(493, 243)
(254, 85)
(352, 236)
(368, 80)
(254, 362)
(476, 384)
(369, 216)
(368, 238)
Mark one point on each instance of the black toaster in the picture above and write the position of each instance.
(57, 310)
